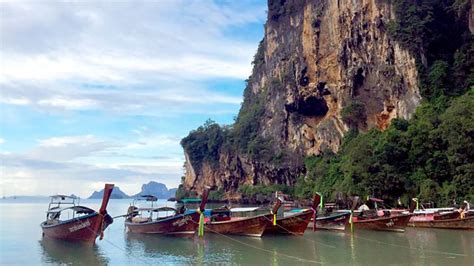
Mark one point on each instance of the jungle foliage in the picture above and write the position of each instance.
(431, 156)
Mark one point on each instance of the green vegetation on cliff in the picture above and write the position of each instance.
(437, 33)
(203, 144)
(430, 156)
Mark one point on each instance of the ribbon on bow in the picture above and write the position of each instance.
(201, 223)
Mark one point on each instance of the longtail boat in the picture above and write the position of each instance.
(295, 223)
(82, 224)
(395, 222)
(164, 220)
(446, 218)
(221, 221)
(383, 220)
(334, 221)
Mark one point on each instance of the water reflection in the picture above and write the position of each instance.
(61, 252)
(169, 249)
(414, 247)
(438, 245)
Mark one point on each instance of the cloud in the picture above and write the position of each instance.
(90, 40)
(180, 99)
(68, 148)
(76, 162)
(33, 178)
(2, 140)
(163, 59)
(114, 64)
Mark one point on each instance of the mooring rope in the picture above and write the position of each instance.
(262, 249)
(302, 236)
(417, 249)
(380, 242)
(112, 243)
(286, 255)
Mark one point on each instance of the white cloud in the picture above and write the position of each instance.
(182, 98)
(68, 148)
(164, 57)
(15, 101)
(97, 41)
(2, 140)
(77, 162)
(70, 164)
(68, 103)
(147, 58)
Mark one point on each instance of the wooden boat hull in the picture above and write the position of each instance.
(83, 229)
(295, 224)
(457, 223)
(337, 222)
(395, 223)
(179, 225)
(252, 226)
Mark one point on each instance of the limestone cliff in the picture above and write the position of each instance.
(316, 58)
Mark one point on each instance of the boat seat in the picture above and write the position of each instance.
(49, 222)
(140, 220)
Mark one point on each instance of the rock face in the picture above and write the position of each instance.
(317, 57)
(156, 189)
(116, 194)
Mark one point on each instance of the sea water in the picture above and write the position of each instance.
(21, 243)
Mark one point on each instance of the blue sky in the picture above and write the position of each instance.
(95, 92)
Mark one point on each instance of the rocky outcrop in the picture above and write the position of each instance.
(317, 57)
(156, 189)
(116, 194)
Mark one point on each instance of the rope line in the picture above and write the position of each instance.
(311, 240)
(263, 249)
(418, 249)
(282, 254)
(112, 243)
(380, 242)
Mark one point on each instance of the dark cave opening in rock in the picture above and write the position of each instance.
(304, 80)
(358, 80)
(311, 106)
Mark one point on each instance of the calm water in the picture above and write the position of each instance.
(21, 243)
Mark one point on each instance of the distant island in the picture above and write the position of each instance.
(116, 194)
(156, 189)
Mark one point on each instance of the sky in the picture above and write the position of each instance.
(94, 92)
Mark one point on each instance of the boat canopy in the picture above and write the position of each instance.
(376, 200)
(77, 209)
(63, 197)
(297, 210)
(190, 200)
(433, 210)
(160, 209)
(149, 197)
(244, 209)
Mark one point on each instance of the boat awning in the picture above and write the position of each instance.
(63, 197)
(433, 210)
(297, 210)
(160, 209)
(244, 209)
(149, 197)
(190, 200)
(376, 200)
(77, 209)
